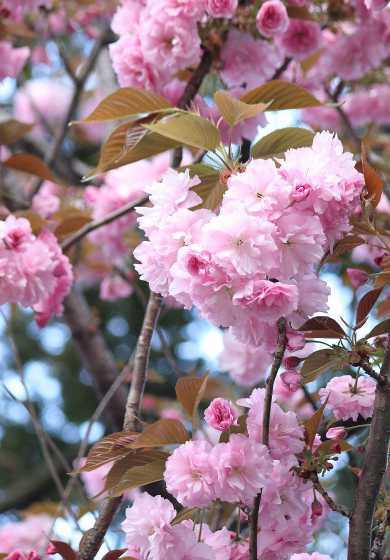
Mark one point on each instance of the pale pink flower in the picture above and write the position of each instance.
(220, 414)
(357, 277)
(220, 541)
(127, 16)
(295, 340)
(292, 379)
(272, 18)
(115, 287)
(302, 38)
(286, 436)
(347, 401)
(27, 535)
(189, 474)
(179, 542)
(246, 364)
(47, 200)
(242, 468)
(376, 5)
(314, 556)
(268, 300)
(221, 8)
(12, 59)
(95, 481)
(248, 62)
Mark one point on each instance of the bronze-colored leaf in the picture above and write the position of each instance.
(284, 95)
(113, 446)
(380, 328)
(278, 141)
(114, 554)
(127, 102)
(13, 130)
(322, 327)
(188, 129)
(64, 550)
(190, 391)
(347, 244)
(309, 62)
(139, 476)
(366, 304)
(373, 181)
(234, 111)
(333, 446)
(134, 458)
(382, 279)
(299, 12)
(186, 513)
(33, 165)
(72, 223)
(383, 308)
(37, 223)
(312, 425)
(166, 431)
(322, 360)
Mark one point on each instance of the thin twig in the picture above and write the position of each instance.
(279, 71)
(277, 362)
(328, 500)
(92, 226)
(343, 115)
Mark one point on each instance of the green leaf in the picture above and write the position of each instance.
(279, 141)
(366, 304)
(127, 102)
(284, 95)
(163, 432)
(381, 328)
(321, 361)
(33, 165)
(312, 425)
(234, 111)
(139, 476)
(190, 391)
(13, 130)
(322, 327)
(188, 129)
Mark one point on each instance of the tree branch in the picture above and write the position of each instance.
(328, 500)
(278, 358)
(372, 471)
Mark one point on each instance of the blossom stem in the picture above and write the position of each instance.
(374, 466)
(277, 362)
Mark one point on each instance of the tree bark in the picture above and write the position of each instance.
(373, 469)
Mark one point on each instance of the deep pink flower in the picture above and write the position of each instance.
(272, 18)
(301, 38)
(221, 8)
(336, 433)
(220, 414)
(357, 277)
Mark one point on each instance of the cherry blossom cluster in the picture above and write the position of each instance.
(199, 472)
(254, 260)
(27, 539)
(34, 271)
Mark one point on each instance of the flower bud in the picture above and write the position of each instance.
(336, 433)
(357, 277)
(291, 362)
(292, 379)
(316, 509)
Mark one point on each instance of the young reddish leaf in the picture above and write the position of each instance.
(312, 425)
(72, 223)
(163, 432)
(13, 130)
(333, 446)
(383, 308)
(190, 391)
(322, 327)
(378, 330)
(322, 360)
(234, 111)
(299, 12)
(284, 95)
(366, 304)
(114, 554)
(278, 141)
(33, 165)
(127, 102)
(64, 550)
(113, 446)
(188, 129)
(347, 244)
(373, 181)
(382, 279)
(139, 476)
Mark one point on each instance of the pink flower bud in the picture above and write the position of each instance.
(317, 442)
(51, 548)
(336, 433)
(291, 379)
(300, 192)
(316, 509)
(295, 340)
(291, 362)
(16, 555)
(220, 414)
(221, 8)
(379, 260)
(272, 18)
(357, 277)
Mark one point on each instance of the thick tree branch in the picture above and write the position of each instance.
(372, 471)
(277, 362)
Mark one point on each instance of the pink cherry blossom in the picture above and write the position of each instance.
(115, 287)
(27, 535)
(189, 474)
(220, 414)
(221, 8)
(12, 59)
(357, 277)
(336, 433)
(242, 468)
(347, 399)
(272, 18)
(314, 556)
(301, 38)
(292, 379)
